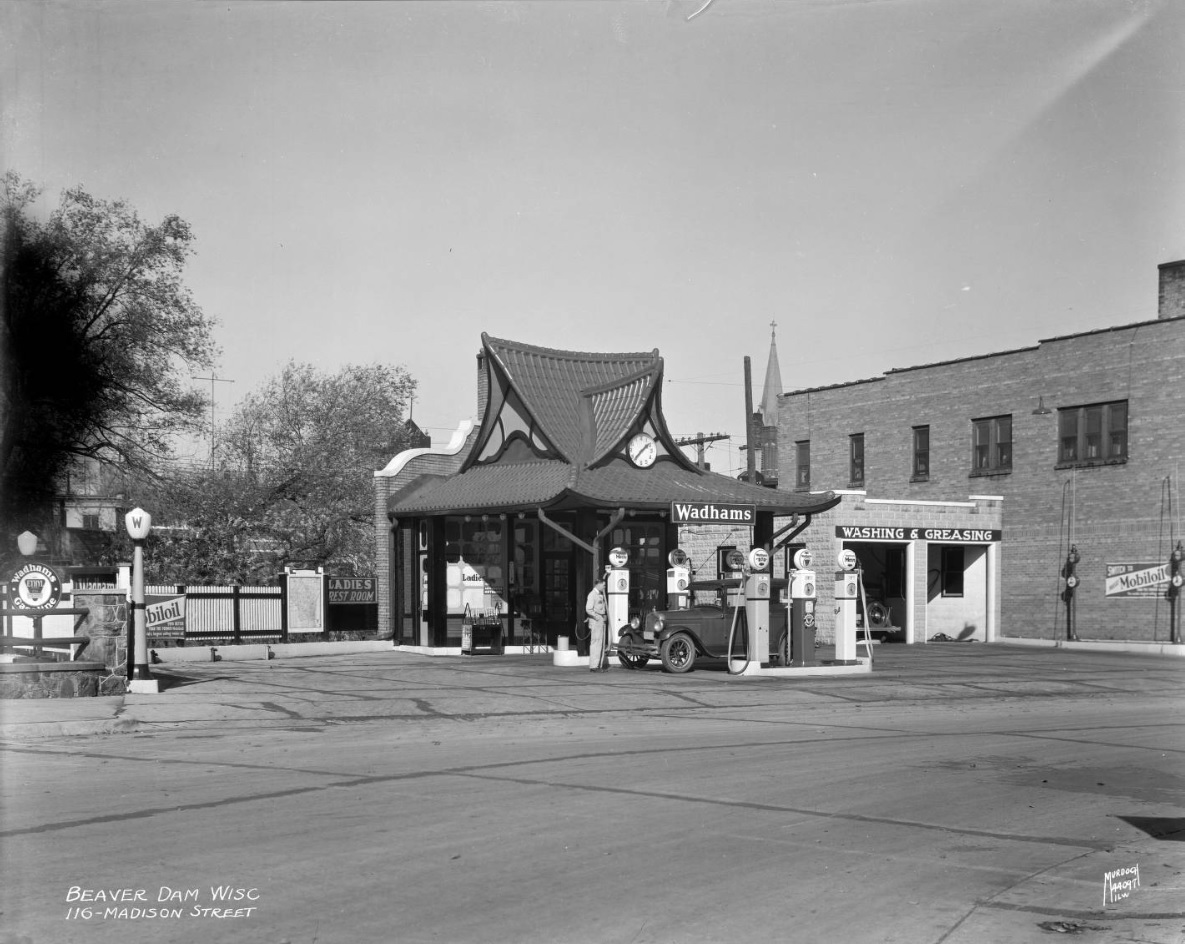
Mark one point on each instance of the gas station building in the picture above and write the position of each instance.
(511, 520)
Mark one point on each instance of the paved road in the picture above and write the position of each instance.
(960, 794)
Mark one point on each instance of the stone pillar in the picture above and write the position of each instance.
(107, 627)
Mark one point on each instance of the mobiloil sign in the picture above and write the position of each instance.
(712, 513)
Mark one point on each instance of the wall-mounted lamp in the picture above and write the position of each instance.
(1042, 409)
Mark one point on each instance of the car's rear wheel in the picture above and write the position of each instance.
(677, 653)
(631, 661)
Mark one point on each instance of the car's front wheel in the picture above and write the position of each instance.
(631, 661)
(677, 653)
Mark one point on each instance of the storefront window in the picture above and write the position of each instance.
(475, 564)
(647, 566)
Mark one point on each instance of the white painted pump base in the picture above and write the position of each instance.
(754, 669)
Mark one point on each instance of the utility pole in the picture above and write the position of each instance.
(698, 440)
(213, 378)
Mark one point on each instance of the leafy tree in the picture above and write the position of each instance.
(295, 479)
(98, 338)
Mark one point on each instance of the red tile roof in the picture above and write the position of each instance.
(585, 405)
(553, 386)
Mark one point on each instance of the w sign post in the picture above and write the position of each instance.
(141, 682)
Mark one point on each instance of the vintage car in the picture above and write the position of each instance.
(677, 638)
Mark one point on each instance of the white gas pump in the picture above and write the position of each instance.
(846, 590)
(678, 580)
(802, 609)
(757, 584)
(617, 593)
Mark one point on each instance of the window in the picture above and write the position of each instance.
(802, 468)
(1089, 435)
(856, 459)
(991, 445)
(90, 522)
(921, 453)
(952, 571)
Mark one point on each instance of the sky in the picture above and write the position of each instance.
(890, 182)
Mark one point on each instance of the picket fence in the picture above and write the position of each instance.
(227, 613)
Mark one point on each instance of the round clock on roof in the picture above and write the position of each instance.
(642, 450)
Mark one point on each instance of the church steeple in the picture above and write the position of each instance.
(773, 382)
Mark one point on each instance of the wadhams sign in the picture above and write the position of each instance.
(712, 513)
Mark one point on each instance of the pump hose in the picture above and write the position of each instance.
(728, 653)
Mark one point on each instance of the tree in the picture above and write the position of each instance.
(294, 483)
(98, 338)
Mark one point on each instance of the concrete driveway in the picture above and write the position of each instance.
(961, 793)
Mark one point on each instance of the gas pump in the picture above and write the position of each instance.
(617, 593)
(846, 590)
(1071, 578)
(1173, 593)
(757, 584)
(678, 580)
(802, 609)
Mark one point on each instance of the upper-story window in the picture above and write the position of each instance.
(921, 453)
(802, 464)
(1088, 435)
(991, 445)
(856, 459)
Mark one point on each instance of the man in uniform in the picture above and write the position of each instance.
(594, 606)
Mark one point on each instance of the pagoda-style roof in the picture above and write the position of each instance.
(554, 436)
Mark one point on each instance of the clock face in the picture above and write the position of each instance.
(642, 451)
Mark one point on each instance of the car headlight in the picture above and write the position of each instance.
(635, 623)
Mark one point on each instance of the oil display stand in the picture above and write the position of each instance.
(481, 628)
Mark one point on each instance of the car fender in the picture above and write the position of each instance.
(670, 630)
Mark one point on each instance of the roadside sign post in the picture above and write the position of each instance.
(141, 682)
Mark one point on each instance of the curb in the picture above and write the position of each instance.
(1171, 650)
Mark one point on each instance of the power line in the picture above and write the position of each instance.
(213, 378)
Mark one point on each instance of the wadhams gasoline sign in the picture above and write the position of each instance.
(35, 587)
(712, 513)
(352, 590)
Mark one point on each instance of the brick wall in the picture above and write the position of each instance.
(1111, 512)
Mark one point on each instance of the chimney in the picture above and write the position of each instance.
(483, 392)
(1172, 290)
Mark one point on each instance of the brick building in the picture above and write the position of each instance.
(966, 483)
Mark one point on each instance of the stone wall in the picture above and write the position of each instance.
(107, 627)
(101, 668)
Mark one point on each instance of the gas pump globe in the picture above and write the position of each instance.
(678, 580)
